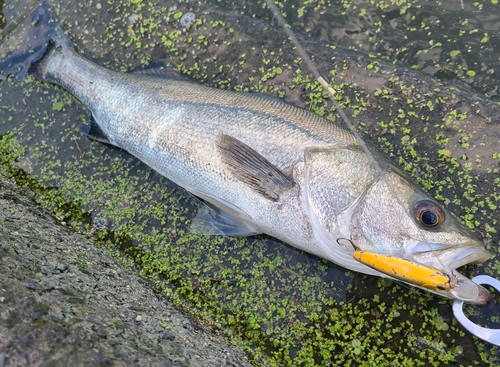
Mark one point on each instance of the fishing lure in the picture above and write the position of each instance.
(408, 271)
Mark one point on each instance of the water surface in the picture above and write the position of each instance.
(418, 79)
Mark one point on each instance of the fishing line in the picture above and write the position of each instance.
(331, 92)
(324, 84)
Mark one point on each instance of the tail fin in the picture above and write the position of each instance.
(30, 41)
(37, 67)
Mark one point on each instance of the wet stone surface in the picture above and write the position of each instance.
(283, 306)
(64, 301)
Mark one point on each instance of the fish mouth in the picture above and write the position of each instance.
(446, 258)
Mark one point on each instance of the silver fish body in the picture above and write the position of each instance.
(174, 126)
(270, 167)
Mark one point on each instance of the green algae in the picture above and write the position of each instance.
(284, 307)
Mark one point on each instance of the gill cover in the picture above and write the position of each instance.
(335, 181)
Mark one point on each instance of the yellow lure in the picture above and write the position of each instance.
(407, 271)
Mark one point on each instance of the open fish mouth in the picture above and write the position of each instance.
(448, 258)
(450, 284)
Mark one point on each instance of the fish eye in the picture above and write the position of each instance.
(428, 214)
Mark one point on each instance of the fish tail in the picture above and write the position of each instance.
(32, 43)
(38, 68)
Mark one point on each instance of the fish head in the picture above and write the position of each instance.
(395, 218)
(353, 205)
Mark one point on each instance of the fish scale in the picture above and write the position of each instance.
(265, 165)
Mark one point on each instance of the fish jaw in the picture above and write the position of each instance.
(447, 258)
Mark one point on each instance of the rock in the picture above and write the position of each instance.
(55, 312)
(187, 20)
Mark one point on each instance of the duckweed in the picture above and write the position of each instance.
(284, 307)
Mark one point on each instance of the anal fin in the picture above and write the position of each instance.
(93, 131)
(252, 168)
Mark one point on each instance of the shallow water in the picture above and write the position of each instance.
(446, 39)
(285, 306)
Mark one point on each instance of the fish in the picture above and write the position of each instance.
(264, 166)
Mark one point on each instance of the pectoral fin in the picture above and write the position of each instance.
(253, 169)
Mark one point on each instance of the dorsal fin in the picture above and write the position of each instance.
(160, 70)
(270, 97)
